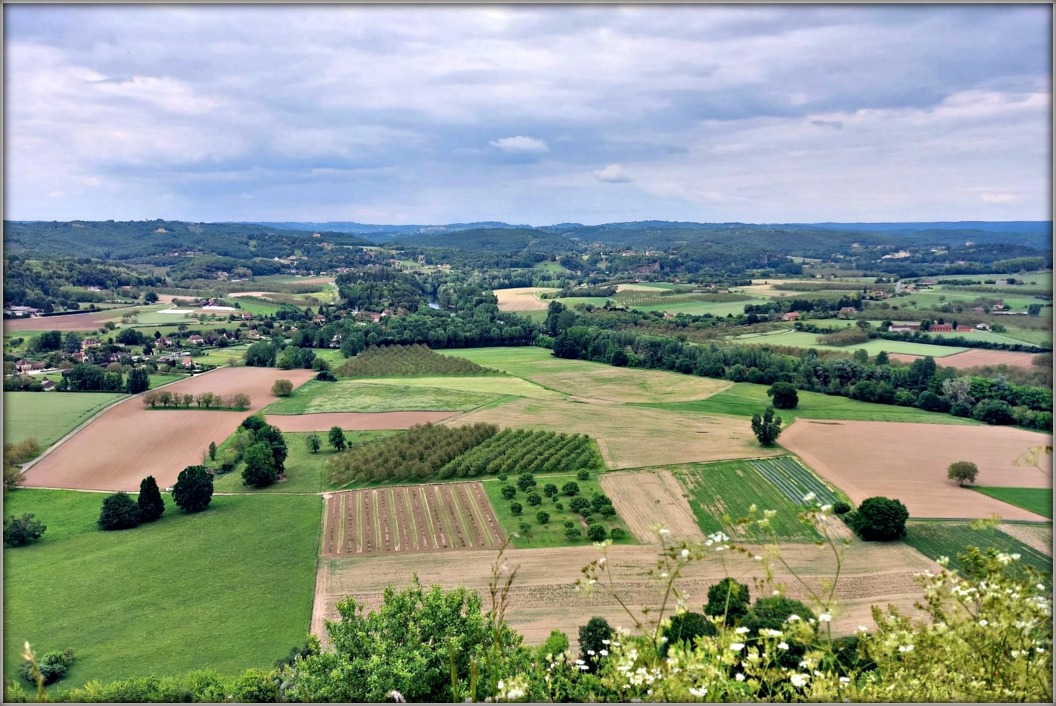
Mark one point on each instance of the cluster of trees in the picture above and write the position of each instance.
(120, 511)
(85, 377)
(922, 384)
(203, 400)
(418, 453)
(417, 359)
(878, 519)
(57, 283)
(264, 452)
(522, 450)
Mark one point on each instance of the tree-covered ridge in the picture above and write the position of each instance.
(63, 282)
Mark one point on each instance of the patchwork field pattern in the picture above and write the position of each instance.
(935, 539)
(668, 508)
(422, 518)
(793, 479)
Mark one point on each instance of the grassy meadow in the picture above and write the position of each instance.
(228, 588)
(1036, 500)
(49, 416)
(378, 396)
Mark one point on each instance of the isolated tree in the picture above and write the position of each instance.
(882, 359)
(767, 428)
(337, 438)
(150, 503)
(20, 531)
(534, 499)
(212, 450)
(879, 519)
(592, 639)
(516, 508)
(150, 297)
(260, 470)
(313, 442)
(962, 472)
(508, 491)
(784, 395)
(282, 388)
(119, 512)
(193, 490)
(549, 490)
(543, 517)
(729, 598)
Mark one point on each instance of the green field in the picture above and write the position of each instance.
(49, 416)
(551, 534)
(222, 356)
(744, 399)
(801, 339)
(1036, 500)
(257, 306)
(935, 539)
(720, 309)
(158, 379)
(729, 489)
(229, 588)
(571, 302)
(498, 385)
(305, 472)
(361, 396)
(522, 361)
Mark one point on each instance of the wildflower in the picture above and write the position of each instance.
(905, 648)
(685, 553)
(590, 652)
(702, 691)
(739, 676)
(604, 653)
(792, 618)
(665, 531)
(809, 498)
(601, 561)
(768, 514)
(737, 646)
(826, 508)
(799, 680)
(770, 632)
(782, 645)
(753, 509)
(845, 680)
(579, 661)
(825, 617)
(776, 592)
(757, 557)
(862, 628)
(741, 630)
(605, 642)
(984, 622)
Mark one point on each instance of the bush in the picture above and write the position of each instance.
(20, 531)
(596, 533)
(879, 519)
(52, 665)
(534, 499)
(592, 640)
(525, 481)
(549, 490)
(119, 512)
(608, 512)
(325, 375)
(573, 533)
(508, 492)
(559, 506)
(579, 504)
(193, 490)
(841, 508)
(516, 508)
(684, 627)
(617, 533)
(784, 395)
(151, 506)
(503, 477)
(583, 474)
(570, 488)
(543, 517)
(255, 686)
(282, 388)
(728, 598)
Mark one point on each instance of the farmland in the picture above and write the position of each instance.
(92, 460)
(975, 358)
(386, 396)
(521, 299)
(668, 509)
(1036, 500)
(949, 539)
(405, 519)
(406, 360)
(801, 339)
(49, 416)
(904, 461)
(353, 420)
(214, 589)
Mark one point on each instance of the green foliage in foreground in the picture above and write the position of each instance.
(231, 587)
(1036, 500)
(415, 360)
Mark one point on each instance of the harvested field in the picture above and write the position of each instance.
(645, 499)
(127, 442)
(354, 420)
(1037, 537)
(976, 357)
(631, 437)
(543, 597)
(909, 462)
(419, 518)
(70, 322)
(522, 298)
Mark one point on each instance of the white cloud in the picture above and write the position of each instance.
(999, 198)
(520, 145)
(613, 173)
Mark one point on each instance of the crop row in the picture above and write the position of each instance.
(523, 451)
(406, 360)
(795, 480)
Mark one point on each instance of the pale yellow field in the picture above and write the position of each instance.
(522, 298)
(645, 499)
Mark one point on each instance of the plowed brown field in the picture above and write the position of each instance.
(909, 462)
(127, 442)
(72, 322)
(543, 597)
(645, 499)
(354, 420)
(420, 518)
(974, 358)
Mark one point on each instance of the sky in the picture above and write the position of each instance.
(528, 114)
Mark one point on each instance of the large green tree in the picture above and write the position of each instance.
(119, 512)
(767, 427)
(879, 519)
(259, 470)
(592, 639)
(729, 598)
(962, 472)
(150, 503)
(337, 438)
(193, 490)
(784, 395)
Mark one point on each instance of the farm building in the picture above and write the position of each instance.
(791, 316)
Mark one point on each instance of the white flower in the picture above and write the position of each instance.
(737, 646)
(984, 622)
(845, 680)
(792, 618)
(862, 628)
(826, 508)
(601, 561)
(769, 513)
(799, 680)
(753, 509)
(739, 676)
(809, 498)
(825, 617)
(605, 642)
(757, 557)
(685, 553)
(702, 691)
(665, 531)
(579, 661)
(782, 645)
(590, 652)
(776, 593)
(604, 653)
(741, 630)
(770, 632)
(905, 648)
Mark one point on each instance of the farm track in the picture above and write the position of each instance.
(409, 519)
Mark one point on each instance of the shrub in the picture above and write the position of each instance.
(784, 395)
(534, 499)
(684, 627)
(570, 488)
(503, 477)
(52, 665)
(151, 506)
(600, 500)
(879, 519)
(592, 640)
(569, 524)
(617, 533)
(526, 529)
(119, 512)
(841, 508)
(193, 490)
(559, 506)
(573, 533)
(525, 481)
(508, 492)
(20, 531)
(596, 533)
(607, 511)
(516, 508)
(282, 388)
(549, 490)
(325, 375)
(579, 504)
(255, 686)
(728, 598)
(543, 517)
(583, 474)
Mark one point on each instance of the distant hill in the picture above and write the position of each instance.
(385, 233)
(507, 240)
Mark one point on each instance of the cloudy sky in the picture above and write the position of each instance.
(531, 115)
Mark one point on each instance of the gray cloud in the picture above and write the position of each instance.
(433, 114)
